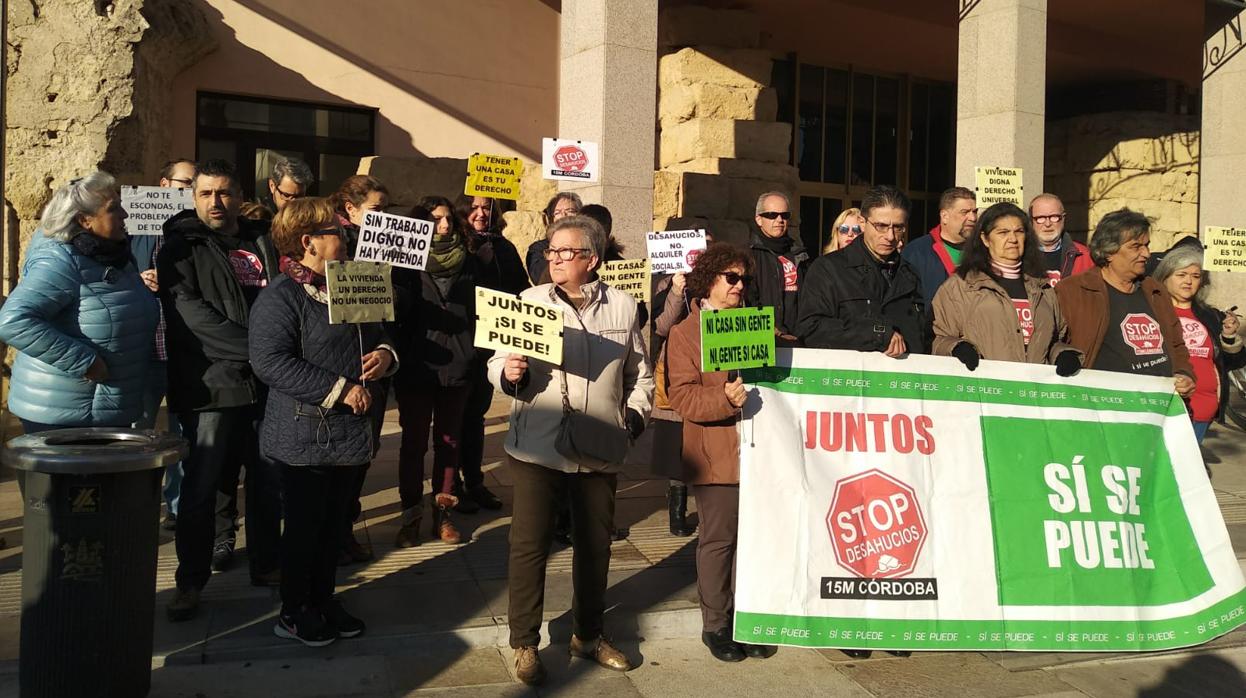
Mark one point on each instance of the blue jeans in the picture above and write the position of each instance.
(1200, 430)
(153, 395)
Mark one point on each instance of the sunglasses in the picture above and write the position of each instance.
(771, 215)
(845, 229)
(733, 278)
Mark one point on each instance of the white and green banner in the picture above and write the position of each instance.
(909, 504)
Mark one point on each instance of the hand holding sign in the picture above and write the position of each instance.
(516, 366)
(736, 394)
(376, 363)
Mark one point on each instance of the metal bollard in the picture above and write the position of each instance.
(91, 504)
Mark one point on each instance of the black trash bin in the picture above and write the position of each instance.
(91, 501)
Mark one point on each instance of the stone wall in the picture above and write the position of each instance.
(719, 144)
(410, 179)
(87, 89)
(1142, 160)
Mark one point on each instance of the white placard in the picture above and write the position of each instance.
(147, 208)
(673, 251)
(396, 240)
(568, 160)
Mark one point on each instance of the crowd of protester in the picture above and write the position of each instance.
(224, 317)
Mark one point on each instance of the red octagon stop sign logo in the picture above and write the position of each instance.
(570, 158)
(876, 525)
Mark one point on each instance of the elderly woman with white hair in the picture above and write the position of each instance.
(571, 425)
(81, 318)
(1210, 335)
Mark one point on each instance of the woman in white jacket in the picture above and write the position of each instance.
(606, 377)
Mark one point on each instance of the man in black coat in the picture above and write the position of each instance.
(779, 261)
(865, 297)
(212, 268)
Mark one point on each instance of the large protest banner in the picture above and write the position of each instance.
(147, 208)
(397, 240)
(928, 508)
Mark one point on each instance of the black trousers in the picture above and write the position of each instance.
(472, 433)
(316, 502)
(537, 492)
(218, 438)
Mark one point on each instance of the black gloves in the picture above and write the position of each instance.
(635, 423)
(1068, 362)
(967, 354)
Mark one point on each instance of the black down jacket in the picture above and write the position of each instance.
(308, 364)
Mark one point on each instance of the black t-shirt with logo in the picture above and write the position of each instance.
(1133, 342)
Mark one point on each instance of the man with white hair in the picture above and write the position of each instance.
(779, 261)
(1063, 256)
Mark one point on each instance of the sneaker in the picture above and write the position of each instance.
(184, 606)
(484, 498)
(223, 555)
(170, 522)
(345, 624)
(528, 667)
(306, 626)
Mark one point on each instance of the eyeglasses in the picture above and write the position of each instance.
(183, 182)
(286, 195)
(733, 278)
(771, 215)
(565, 254)
(897, 228)
(1053, 218)
(845, 229)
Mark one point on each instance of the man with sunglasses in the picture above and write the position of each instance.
(936, 256)
(865, 297)
(779, 260)
(1063, 256)
(212, 268)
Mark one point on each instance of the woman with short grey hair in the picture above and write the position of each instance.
(1210, 335)
(81, 318)
(571, 425)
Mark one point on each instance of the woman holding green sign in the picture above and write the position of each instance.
(710, 404)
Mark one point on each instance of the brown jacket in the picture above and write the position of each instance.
(711, 451)
(1084, 302)
(976, 309)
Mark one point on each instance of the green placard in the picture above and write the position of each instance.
(737, 338)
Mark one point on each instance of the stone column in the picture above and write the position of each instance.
(607, 93)
(1001, 89)
(1223, 146)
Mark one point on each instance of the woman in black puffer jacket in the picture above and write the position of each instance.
(318, 426)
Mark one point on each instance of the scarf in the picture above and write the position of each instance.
(303, 275)
(1006, 271)
(1054, 247)
(110, 253)
(446, 257)
(780, 245)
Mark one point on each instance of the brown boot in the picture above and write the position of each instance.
(443, 528)
(528, 667)
(600, 651)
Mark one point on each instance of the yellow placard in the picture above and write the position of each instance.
(1224, 249)
(359, 292)
(628, 275)
(494, 176)
(996, 184)
(510, 324)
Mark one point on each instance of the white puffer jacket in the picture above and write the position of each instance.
(607, 372)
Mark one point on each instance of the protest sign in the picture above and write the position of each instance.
(494, 176)
(673, 251)
(567, 160)
(359, 292)
(737, 338)
(628, 275)
(396, 240)
(516, 326)
(1008, 509)
(996, 184)
(147, 208)
(1224, 249)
